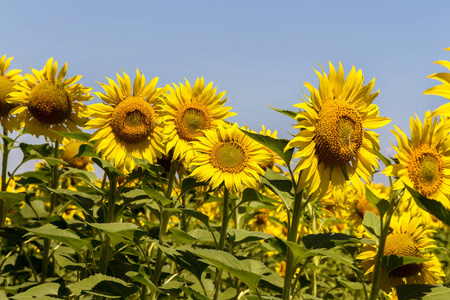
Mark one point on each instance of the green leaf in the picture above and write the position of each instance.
(41, 175)
(196, 214)
(193, 294)
(289, 113)
(66, 262)
(240, 236)
(144, 279)
(80, 136)
(35, 151)
(86, 150)
(103, 285)
(54, 161)
(128, 231)
(190, 183)
(432, 206)
(64, 236)
(156, 195)
(422, 291)
(276, 145)
(371, 223)
(85, 201)
(386, 161)
(181, 237)
(134, 195)
(327, 240)
(107, 167)
(354, 286)
(280, 185)
(83, 175)
(250, 194)
(392, 262)
(381, 204)
(249, 271)
(38, 292)
(11, 199)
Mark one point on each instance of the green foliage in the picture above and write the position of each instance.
(432, 206)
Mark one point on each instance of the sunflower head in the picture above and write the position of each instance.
(227, 155)
(8, 83)
(188, 111)
(410, 237)
(334, 137)
(128, 121)
(48, 101)
(423, 159)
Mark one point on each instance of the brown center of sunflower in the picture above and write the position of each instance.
(133, 120)
(425, 169)
(49, 103)
(229, 157)
(338, 133)
(68, 156)
(6, 87)
(191, 120)
(402, 244)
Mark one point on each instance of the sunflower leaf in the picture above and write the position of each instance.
(107, 167)
(80, 136)
(381, 204)
(289, 113)
(432, 206)
(392, 262)
(86, 150)
(156, 195)
(383, 158)
(190, 183)
(103, 285)
(329, 240)
(280, 185)
(276, 145)
(371, 223)
(142, 278)
(422, 291)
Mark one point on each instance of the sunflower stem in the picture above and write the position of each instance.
(223, 235)
(5, 153)
(292, 237)
(384, 231)
(53, 198)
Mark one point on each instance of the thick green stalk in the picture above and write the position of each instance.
(223, 235)
(5, 154)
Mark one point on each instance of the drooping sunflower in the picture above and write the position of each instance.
(8, 83)
(187, 112)
(410, 237)
(227, 155)
(443, 89)
(48, 101)
(423, 160)
(128, 122)
(333, 139)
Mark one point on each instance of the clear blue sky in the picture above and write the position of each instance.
(260, 52)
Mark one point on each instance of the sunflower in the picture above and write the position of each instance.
(48, 102)
(227, 155)
(408, 238)
(187, 112)
(333, 141)
(423, 160)
(8, 83)
(128, 121)
(70, 150)
(442, 89)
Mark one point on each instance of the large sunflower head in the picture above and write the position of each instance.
(408, 238)
(227, 155)
(188, 111)
(128, 122)
(443, 89)
(334, 140)
(48, 101)
(8, 82)
(423, 160)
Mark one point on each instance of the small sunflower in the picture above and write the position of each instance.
(408, 238)
(187, 112)
(423, 160)
(48, 102)
(227, 155)
(333, 141)
(128, 123)
(443, 89)
(8, 83)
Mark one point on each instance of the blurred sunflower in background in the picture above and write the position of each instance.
(48, 101)
(70, 150)
(128, 122)
(333, 141)
(227, 155)
(8, 81)
(188, 111)
(410, 237)
(423, 160)
(443, 89)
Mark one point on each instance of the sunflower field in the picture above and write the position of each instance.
(151, 193)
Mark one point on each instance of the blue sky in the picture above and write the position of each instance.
(260, 52)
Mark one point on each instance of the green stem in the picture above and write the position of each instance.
(5, 152)
(223, 235)
(384, 231)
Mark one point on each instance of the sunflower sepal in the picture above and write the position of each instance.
(431, 206)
